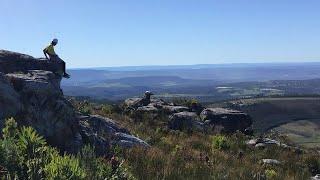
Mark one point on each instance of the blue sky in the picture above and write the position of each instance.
(103, 33)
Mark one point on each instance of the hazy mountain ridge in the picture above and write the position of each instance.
(195, 80)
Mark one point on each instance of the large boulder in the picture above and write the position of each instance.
(9, 99)
(185, 121)
(34, 98)
(174, 109)
(226, 120)
(103, 133)
(17, 62)
(133, 103)
(30, 92)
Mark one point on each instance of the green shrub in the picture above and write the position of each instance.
(33, 150)
(270, 173)
(95, 167)
(10, 129)
(220, 142)
(121, 173)
(25, 155)
(84, 107)
(64, 167)
(107, 109)
(85, 110)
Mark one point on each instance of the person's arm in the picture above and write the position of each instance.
(45, 53)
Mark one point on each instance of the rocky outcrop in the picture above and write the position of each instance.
(185, 121)
(30, 92)
(226, 119)
(141, 105)
(210, 120)
(12, 62)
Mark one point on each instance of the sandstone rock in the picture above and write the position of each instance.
(270, 162)
(104, 132)
(35, 99)
(316, 177)
(175, 109)
(158, 103)
(266, 142)
(185, 121)
(127, 141)
(10, 103)
(133, 103)
(147, 109)
(252, 142)
(30, 92)
(230, 120)
(260, 145)
(17, 62)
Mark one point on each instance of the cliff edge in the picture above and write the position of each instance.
(30, 92)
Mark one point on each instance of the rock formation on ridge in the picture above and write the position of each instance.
(30, 92)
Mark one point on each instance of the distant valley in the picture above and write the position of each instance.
(203, 82)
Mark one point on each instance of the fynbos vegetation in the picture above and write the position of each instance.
(193, 155)
(26, 155)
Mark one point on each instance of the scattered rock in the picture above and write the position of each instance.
(252, 142)
(127, 141)
(316, 177)
(230, 120)
(260, 145)
(263, 142)
(270, 162)
(214, 120)
(104, 132)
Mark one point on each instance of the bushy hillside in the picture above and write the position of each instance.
(192, 155)
(26, 155)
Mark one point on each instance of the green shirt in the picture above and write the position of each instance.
(50, 50)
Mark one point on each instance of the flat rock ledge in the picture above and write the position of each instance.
(30, 92)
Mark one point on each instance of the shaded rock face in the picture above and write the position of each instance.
(16, 62)
(103, 133)
(229, 120)
(35, 99)
(30, 92)
(185, 121)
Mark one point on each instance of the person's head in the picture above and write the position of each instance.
(54, 42)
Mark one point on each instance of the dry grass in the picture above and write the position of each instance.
(191, 155)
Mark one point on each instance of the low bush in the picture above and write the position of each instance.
(25, 155)
(64, 167)
(220, 142)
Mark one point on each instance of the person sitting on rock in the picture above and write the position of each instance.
(49, 51)
(147, 98)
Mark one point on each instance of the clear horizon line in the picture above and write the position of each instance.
(244, 63)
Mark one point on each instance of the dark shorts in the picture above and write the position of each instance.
(55, 58)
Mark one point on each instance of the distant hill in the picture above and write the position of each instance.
(192, 80)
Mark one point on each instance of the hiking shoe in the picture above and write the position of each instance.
(65, 75)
